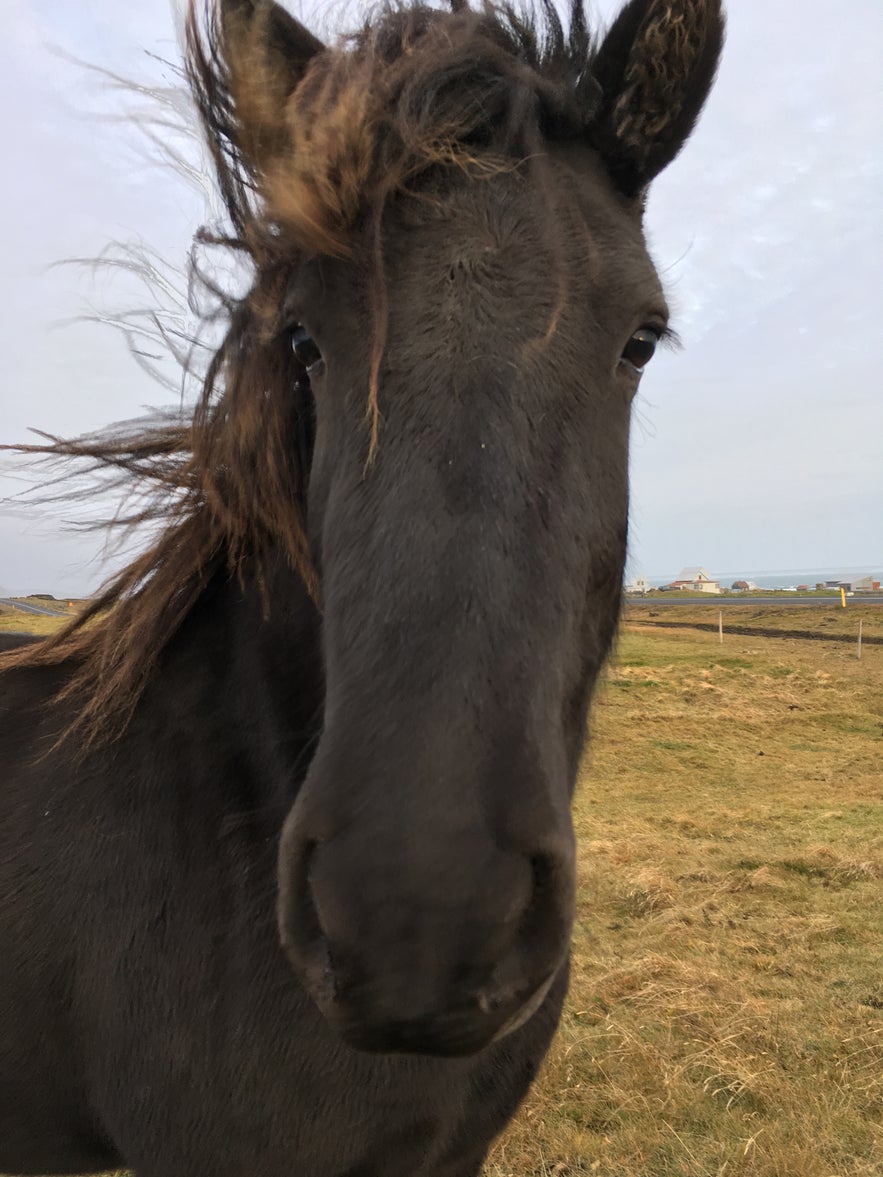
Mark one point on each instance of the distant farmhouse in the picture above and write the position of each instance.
(695, 580)
(855, 584)
(640, 584)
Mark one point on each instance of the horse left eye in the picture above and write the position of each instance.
(640, 348)
(305, 348)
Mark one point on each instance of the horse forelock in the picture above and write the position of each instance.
(416, 90)
(416, 87)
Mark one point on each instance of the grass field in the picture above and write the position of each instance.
(823, 620)
(726, 1011)
(17, 621)
(11, 621)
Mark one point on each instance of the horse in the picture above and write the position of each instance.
(287, 876)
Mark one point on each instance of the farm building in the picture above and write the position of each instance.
(865, 584)
(695, 580)
(855, 584)
(640, 584)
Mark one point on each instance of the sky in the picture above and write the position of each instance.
(758, 447)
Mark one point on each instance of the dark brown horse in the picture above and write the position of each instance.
(286, 856)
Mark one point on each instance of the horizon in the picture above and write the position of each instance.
(860, 570)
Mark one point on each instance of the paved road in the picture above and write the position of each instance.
(669, 599)
(26, 608)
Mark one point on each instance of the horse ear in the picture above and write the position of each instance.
(655, 68)
(266, 52)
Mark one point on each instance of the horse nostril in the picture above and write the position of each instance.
(543, 870)
(549, 919)
(544, 898)
(300, 928)
(541, 936)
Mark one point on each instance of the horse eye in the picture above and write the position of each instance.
(640, 348)
(305, 348)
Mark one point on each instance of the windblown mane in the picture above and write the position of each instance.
(416, 88)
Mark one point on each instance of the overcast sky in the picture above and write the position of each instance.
(760, 446)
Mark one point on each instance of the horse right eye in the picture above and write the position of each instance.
(640, 348)
(305, 348)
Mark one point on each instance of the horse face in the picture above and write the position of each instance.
(474, 332)
(470, 570)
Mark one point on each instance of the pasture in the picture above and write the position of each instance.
(726, 1008)
(16, 621)
(823, 621)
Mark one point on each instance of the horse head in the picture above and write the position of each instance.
(452, 255)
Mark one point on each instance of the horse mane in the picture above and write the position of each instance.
(415, 89)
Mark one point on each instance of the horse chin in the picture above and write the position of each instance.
(456, 1034)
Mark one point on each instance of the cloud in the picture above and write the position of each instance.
(757, 445)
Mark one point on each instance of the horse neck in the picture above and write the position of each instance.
(240, 687)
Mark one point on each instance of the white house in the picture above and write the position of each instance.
(695, 580)
(640, 584)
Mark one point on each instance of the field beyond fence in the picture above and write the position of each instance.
(726, 1011)
(826, 622)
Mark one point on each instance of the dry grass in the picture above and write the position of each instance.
(825, 619)
(17, 621)
(726, 1012)
(13, 620)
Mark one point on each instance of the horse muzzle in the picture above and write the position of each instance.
(399, 964)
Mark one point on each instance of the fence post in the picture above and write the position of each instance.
(859, 639)
(720, 625)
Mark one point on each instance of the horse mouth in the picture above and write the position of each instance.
(459, 1032)
(523, 1015)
